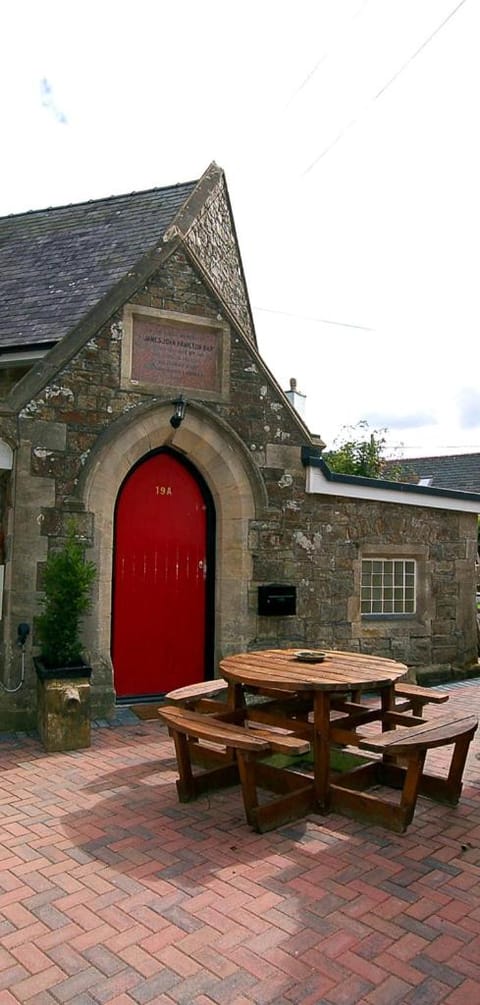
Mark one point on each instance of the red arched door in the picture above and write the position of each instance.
(162, 580)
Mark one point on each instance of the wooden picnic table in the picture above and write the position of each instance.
(339, 675)
(317, 703)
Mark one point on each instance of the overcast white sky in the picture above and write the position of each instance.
(348, 131)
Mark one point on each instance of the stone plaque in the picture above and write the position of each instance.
(171, 353)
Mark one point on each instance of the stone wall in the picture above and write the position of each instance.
(212, 241)
(319, 542)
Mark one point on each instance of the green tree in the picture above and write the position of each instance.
(67, 583)
(361, 451)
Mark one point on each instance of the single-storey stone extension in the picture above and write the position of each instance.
(213, 531)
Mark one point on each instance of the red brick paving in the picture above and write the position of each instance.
(112, 893)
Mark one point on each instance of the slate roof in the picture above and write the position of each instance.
(58, 263)
(455, 471)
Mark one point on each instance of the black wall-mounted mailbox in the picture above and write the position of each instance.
(277, 600)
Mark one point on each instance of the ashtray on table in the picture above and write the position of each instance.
(310, 656)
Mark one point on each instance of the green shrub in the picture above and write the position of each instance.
(360, 451)
(67, 583)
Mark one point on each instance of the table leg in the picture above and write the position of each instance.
(321, 747)
(388, 705)
(235, 696)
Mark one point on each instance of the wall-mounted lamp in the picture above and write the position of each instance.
(179, 413)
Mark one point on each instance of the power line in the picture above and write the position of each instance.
(321, 321)
(322, 59)
(388, 84)
(470, 447)
(420, 49)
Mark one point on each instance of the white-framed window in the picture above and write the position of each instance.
(388, 587)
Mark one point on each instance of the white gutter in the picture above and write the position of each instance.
(318, 484)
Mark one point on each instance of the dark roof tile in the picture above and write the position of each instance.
(453, 471)
(57, 263)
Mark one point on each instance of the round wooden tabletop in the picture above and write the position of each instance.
(297, 670)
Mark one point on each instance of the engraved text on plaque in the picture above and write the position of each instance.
(175, 353)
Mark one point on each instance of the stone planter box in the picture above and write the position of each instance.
(63, 707)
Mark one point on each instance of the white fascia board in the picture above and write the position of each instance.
(317, 484)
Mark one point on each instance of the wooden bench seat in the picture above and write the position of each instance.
(412, 697)
(244, 745)
(210, 697)
(407, 698)
(415, 697)
(206, 694)
(201, 696)
(403, 751)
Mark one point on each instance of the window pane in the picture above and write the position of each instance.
(388, 586)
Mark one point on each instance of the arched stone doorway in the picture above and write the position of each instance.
(238, 495)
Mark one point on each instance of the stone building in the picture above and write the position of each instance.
(222, 530)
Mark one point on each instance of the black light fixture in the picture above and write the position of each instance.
(179, 413)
